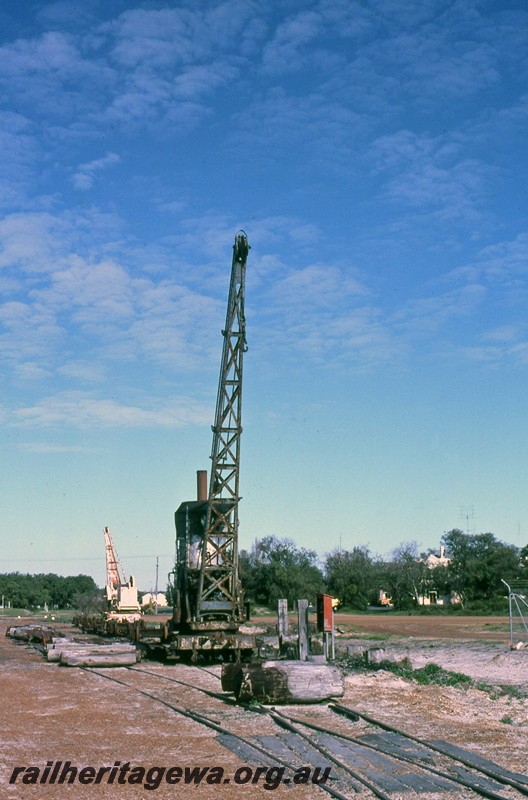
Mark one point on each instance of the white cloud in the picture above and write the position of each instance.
(284, 53)
(43, 447)
(86, 371)
(172, 206)
(357, 338)
(480, 317)
(161, 37)
(505, 344)
(66, 13)
(144, 67)
(430, 174)
(171, 62)
(431, 314)
(28, 332)
(502, 266)
(305, 234)
(78, 409)
(504, 334)
(27, 371)
(506, 263)
(94, 293)
(52, 52)
(173, 325)
(166, 37)
(348, 18)
(32, 241)
(84, 177)
(494, 356)
(110, 309)
(198, 80)
(313, 129)
(323, 313)
(427, 61)
(315, 286)
(19, 149)
(50, 75)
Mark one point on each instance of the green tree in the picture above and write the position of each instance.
(523, 563)
(34, 591)
(351, 576)
(277, 568)
(90, 602)
(478, 563)
(407, 576)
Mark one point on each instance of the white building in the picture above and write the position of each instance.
(151, 599)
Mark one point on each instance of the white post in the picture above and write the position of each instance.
(302, 606)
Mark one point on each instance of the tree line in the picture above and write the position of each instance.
(277, 568)
(35, 591)
(470, 578)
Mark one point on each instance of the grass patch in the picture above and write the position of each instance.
(512, 692)
(431, 675)
(59, 615)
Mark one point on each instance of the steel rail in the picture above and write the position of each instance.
(209, 692)
(283, 723)
(355, 715)
(259, 708)
(407, 759)
(209, 723)
(289, 723)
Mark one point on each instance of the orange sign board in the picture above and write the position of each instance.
(324, 613)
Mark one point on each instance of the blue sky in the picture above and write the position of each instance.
(375, 153)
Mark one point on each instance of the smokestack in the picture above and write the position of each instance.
(201, 485)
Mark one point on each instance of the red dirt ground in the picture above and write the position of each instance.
(56, 713)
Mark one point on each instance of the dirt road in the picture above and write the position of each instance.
(426, 627)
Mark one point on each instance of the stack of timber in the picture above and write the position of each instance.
(283, 682)
(31, 633)
(70, 653)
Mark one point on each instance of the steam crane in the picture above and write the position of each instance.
(208, 607)
(121, 595)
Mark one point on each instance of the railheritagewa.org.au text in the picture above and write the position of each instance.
(151, 778)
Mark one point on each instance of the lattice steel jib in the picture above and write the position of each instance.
(219, 594)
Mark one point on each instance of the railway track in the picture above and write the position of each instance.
(356, 753)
